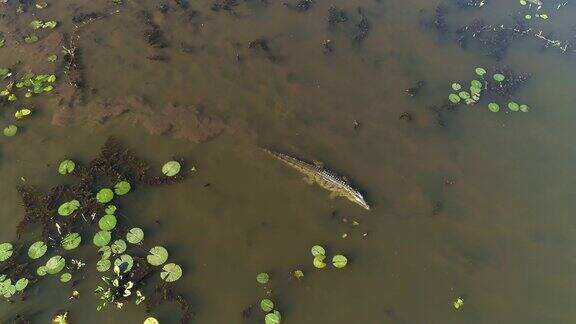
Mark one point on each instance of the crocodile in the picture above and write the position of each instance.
(329, 180)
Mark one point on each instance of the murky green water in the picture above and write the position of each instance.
(501, 234)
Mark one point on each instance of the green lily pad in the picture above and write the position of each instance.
(523, 2)
(524, 108)
(459, 303)
(151, 320)
(50, 24)
(103, 265)
(10, 130)
(66, 167)
(318, 261)
(21, 284)
(475, 90)
(52, 58)
(55, 264)
(110, 209)
(102, 238)
(171, 272)
(339, 261)
(318, 250)
(122, 188)
(124, 262)
(71, 241)
(104, 195)
(171, 168)
(480, 71)
(513, 106)
(158, 255)
(37, 250)
(262, 278)
(106, 252)
(31, 39)
(499, 77)
(67, 208)
(65, 277)
(494, 107)
(267, 305)
(22, 113)
(298, 274)
(456, 86)
(107, 222)
(454, 98)
(135, 235)
(476, 84)
(5, 251)
(273, 318)
(118, 247)
(41, 271)
(528, 17)
(464, 95)
(36, 24)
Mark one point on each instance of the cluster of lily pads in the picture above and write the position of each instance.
(273, 316)
(476, 88)
(319, 253)
(39, 24)
(31, 84)
(538, 4)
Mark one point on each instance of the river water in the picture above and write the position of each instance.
(465, 202)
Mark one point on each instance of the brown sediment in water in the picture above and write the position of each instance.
(182, 122)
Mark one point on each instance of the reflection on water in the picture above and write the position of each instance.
(464, 202)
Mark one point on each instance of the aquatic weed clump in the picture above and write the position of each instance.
(68, 212)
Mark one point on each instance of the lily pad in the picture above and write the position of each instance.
(267, 305)
(480, 71)
(71, 241)
(21, 284)
(318, 250)
(41, 271)
(513, 106)
(454, 98)
(66, 167)
(102, 238)
(122, 188)
(124, 262)
(36, 24)
(456, 86)
(494, 107)
(67, 208)
(158, 255)
(55, 264)
(106, 252)
(459, 303)
(65, 277)
(107, 222)
(110, 209)
(298, 274)
(104, 195)
(524, 108)
(103, 265)
(151, 320)
(135, 235)
(476, 84)
(318, 262)
(499, 77)
(10, 130)
(52, 58)
(22, 113)
(37, 250)
(171, 168)
(464, 95)
(5, 251)
(118, 247)
(262, 278)
(273, 318)
(171, 272)
(339, 261)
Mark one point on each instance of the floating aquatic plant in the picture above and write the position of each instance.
(65, 277)
(37, 250)
(513, 106)
(267, 305)
(158, 255)
(494, 107)
(107, 222)
(318, 261)
(67, 208)
(499, 77)
(273, 318)
(124, 262)
(262, 278)
(298, 274)
(118, 247)
(22, 113)
(135, 235)
(122, 188)
(71, 241)
(102, 238)
(41, 271)
(456, 86)
(103, 265)
(454, 98)
(459, 303)
(480, 71)
(171, 272)
(5, 251)
(66, 167)
(171, 168)
(318, 250)
(339, 261)
(151, 320)
(105, 195)
(55, 264)
(110, 209)
(10, 130)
